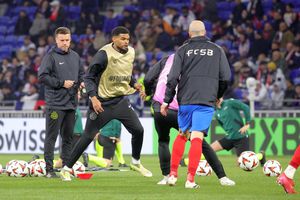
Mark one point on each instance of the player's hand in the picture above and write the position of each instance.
(68, 84)
(96, 105)
(143, 95)
(138, 87)
(244, 129)
(164, 109)
(82, 85)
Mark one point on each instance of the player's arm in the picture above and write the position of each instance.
(152, 75)
(91, 80)
(47, 75)
(173, 78)
(246, 110)
(94, 72)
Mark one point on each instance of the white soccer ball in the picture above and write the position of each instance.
(248, 161)
(78, 168)
(39, 168)
(1, 169)
(9, 166)
(272, 168)
(18, 168)
(204, 169)
(31, 167)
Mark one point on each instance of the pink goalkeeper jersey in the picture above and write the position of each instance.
(160, 90)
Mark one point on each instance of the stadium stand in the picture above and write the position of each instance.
(261, 40)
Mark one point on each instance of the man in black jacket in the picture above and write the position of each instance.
(200, 71)
(108, 81)
(62, 74)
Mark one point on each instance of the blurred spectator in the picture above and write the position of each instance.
(268, 33)
(297, 95)
(39, 25)
(82, 23)
(149, 39)
(277, 96)
(289, 93)
(41, 49)
(263, 74)
(44, 8)
(278, 60)
(3, 7)
(99, 40)
(23, 24)
(8, 94)
(255, 9)
(186, 17)
(289, 16)
(243, 45)
(261, 96)
(57, 17)
(5, 65)
(28, 44)
(171, 15)
(283, 35)
(31, 95)
(110, 22)
(278, 6)
(164, 40)
(292, 56)
(259, 46)
(237, 10)
(178, 37)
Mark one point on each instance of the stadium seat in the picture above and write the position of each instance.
(159, 55)
(224, 6)
(10, 40)
(224, 15)
(74, 12)
(10, 30)
(4, 20)
(149, 56)
(2, 30)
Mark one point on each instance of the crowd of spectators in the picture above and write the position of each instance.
(261, 39)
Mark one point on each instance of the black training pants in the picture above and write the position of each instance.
(58, 121)
(121, 111)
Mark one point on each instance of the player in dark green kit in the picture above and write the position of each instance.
(229, 117)
(107, 145)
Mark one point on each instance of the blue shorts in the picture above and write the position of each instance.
(195, 117)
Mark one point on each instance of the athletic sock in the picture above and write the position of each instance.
(177, 152)
(194, 157)
(135, 161)
(293, 165)
(259, 156)
(101, 162)
(99, 149)
(119, 153)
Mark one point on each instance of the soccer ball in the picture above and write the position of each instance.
(1, 169)
(39, 168)
(203, 169)
(78, 168)
(9, 166)
(248, 161)
(18, 168)
(31, 167)
(272, 168)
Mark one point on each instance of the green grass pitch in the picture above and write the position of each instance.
(131, 185)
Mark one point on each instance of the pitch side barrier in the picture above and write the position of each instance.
(275, 132)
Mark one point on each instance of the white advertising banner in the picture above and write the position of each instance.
(27, 136)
